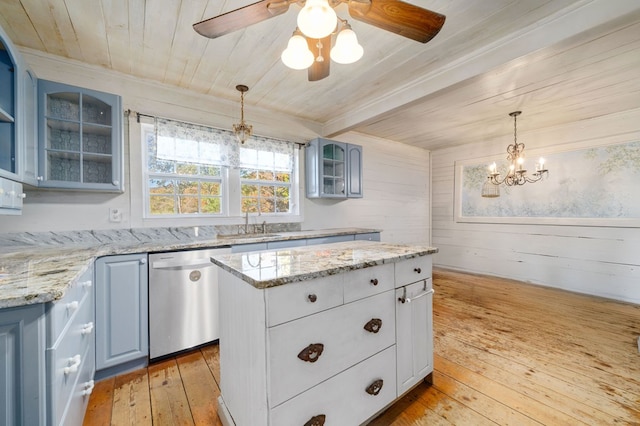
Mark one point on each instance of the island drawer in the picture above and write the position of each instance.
(66, 358)
(349, 398)
(296, 300)
(312, 349)
(61, 311)
(412, 270)
(367, 282)
(79, 398)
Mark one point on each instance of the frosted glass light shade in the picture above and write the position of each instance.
(317, 19)
(347, 50)
(297, 54)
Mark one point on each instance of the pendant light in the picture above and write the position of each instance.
(242, 130)
(317, 19)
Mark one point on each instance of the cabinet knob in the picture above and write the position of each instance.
(311, 353)
(418, 270)
(316, 420)
(88, 388)
(374, 281)
(312, 298)
(87, 328)
(143, 261)
(374, 325)
(72, 365)
(40, 178)
(375, 387)
(116, 182)
(22, 195)
(72, 306)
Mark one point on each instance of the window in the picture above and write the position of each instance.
(195, 170)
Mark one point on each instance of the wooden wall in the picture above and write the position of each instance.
(396, 177)
(603, 261)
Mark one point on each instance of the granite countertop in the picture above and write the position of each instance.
(38, 268)
(277, 267)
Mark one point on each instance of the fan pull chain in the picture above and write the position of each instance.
(320, 58)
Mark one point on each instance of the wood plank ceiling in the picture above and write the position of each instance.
(558, 60)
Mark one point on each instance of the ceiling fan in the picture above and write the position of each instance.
(396, 16)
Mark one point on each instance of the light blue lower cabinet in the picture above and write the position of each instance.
(22, 342)
(70, 353)
(122, 332)
(331, 239)
(275, 245)
(369, 236)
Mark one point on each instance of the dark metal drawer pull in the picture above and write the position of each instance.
(418, 270)
(316, 420)
(312, 352)
(375, 387)
(374, 281)
(374, 325)
(312, 298)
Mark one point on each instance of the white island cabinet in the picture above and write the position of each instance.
(310, 336)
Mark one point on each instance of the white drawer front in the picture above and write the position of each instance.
(65, 360)
(61, 311)
(412, 270)
(79, 399)
(367, 282)
(343, 399)
(344, 339)
(291, 301)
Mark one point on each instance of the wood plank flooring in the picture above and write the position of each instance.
(506, 353)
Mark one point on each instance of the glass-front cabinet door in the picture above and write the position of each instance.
(80, 138)
(7, 111)
(333, 169)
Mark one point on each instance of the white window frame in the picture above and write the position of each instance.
(231, 205)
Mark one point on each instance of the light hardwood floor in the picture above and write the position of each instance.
(505, 353)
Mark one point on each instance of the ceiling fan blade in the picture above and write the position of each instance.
(321, 48)
(240, 18)
(399, 17)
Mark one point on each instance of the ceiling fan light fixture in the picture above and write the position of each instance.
(317, 19)
(297, 55)
(347, 50)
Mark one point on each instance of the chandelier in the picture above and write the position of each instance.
(517, 174)
(317, 20)
(242, 130)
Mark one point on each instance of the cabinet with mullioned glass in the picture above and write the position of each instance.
(333, 169)
(80, 134)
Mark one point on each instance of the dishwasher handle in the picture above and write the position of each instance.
(182, 264)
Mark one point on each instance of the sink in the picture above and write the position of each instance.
(249, 235)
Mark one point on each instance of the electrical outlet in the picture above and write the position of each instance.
(115, 215)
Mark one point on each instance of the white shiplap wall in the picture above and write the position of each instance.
(603, 261)
(396, 177)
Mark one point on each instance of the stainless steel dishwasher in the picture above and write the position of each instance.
(183, 300)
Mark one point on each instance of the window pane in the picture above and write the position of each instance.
(249, 190)
(160, 204)
(161, 186)
(283, 177)
(248, 174)
(282, 192)
(282, 206)
(265, 175)
(210, 188)
(250, 205)
(267, 206)
(188, 187)
(210, 171)
(210, 205)
(186, 169)
(188, 204)
(267, 191)
(160, 166)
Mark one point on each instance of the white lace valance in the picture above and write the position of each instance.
(192, 143)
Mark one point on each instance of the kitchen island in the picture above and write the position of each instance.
(324, 335)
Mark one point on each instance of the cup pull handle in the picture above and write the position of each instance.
(316, 420)
(374, 325)
(311, 353)
(375, 387)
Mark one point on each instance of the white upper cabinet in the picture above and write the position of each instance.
(333, 169)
